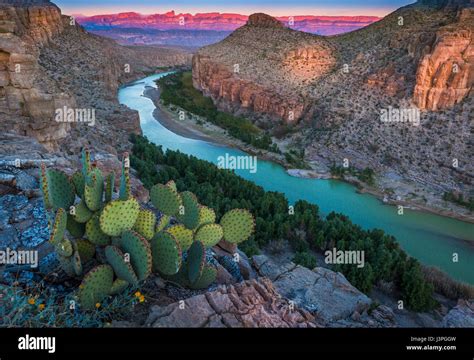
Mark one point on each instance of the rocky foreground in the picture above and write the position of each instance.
(263, 291)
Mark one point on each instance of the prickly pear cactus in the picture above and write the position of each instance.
(119, 216)
(122, 268)
(166, 253)
(184, 236)
(209, 234)
(166, 199)
(145, 224)
(130, 242)
(238, 225)
(95, 286)
(189, 215)
(140, 253)
(196, 261)
(60, 189)
(59, 227)
(208, 276)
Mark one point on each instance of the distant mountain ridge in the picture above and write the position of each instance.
(323, 25)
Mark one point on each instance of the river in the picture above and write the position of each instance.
(432, 239)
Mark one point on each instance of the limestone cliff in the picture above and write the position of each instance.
(262, 69)
(445, 76)
(23, 32)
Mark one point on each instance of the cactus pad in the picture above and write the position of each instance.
(145, 224)
(95, 286)
(208, 276)
(162, 222)
(166, 253)
(60, 189)
(86, 162)
(238, 225)
(82, 214)
(172, 185)
(196, 261)
(118, 286)
(124, 191)
(66, 265)
(79, 183)
(94, 189)
(74, 228)
(76, 263)
(122, 268)
(64, 247)
(190, 217)
(109, 186)
(86, 250)
(206, 215)
(165, 199)
(94, 232)
(118, 216)
(59, 227)
(44, 187)
(140, 253)
(182, 234)
(209, 234)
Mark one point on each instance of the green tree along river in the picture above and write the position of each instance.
(429, 238)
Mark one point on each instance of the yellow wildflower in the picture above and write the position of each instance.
(41, 307)
(141, 298)
(138, 294)
(97, 305)
(31, 301)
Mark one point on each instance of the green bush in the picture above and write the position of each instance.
(305, 259)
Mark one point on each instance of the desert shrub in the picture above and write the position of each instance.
(305, 259)
(447, 286)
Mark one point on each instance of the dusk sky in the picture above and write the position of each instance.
(272, 7)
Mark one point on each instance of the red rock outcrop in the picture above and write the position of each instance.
(263, 67)
(249, 304)
(445, 76)
(233, 93)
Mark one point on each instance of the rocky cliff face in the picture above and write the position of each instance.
(262, 69)
(23, 32)
(445, 75)
(47, 62)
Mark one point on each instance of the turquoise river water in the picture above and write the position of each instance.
(430, 238)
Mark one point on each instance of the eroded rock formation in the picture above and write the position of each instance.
(445, 76)
(262, 69)
(253, 303)
(23, 31)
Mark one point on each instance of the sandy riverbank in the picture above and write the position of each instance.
(208, 132)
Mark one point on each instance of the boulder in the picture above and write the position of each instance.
(462, 315)
(253, 303)
(323, 292)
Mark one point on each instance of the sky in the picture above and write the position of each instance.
(245, 7)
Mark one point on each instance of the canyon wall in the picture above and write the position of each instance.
(263, 70)
(445, 75)
(48, 62)
(234, 94)
(23, 31)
